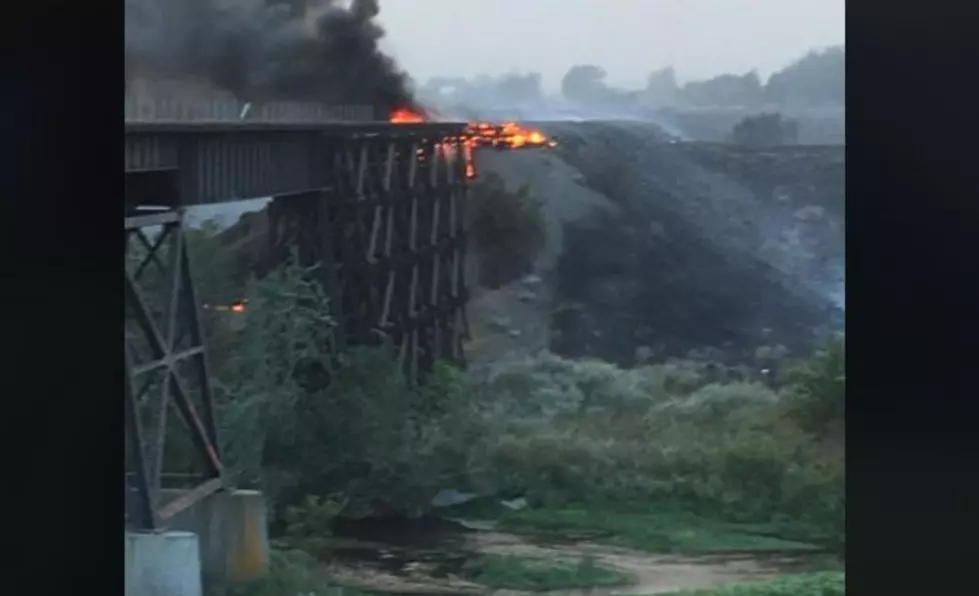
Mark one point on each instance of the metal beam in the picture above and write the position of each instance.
(173, 295)
(222, 162)
(136, 222)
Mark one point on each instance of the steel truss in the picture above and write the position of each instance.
(166, 364)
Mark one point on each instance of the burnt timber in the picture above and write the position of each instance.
(378, 206)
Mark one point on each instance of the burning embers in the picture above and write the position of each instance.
(508, 135)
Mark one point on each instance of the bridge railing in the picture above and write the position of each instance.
(204, 110)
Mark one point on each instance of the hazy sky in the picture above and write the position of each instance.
(630, 38)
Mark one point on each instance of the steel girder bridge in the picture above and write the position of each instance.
(378, 206)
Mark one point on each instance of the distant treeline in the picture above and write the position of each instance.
(814, 80)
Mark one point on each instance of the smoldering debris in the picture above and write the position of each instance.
(323, 51)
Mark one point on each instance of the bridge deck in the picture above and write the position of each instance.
(221, 161)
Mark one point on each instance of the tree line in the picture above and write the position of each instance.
(817, 79)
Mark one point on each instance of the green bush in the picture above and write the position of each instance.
(280, 357)
(817, 396)
(297, 420)
(309, 524)
(589, 432)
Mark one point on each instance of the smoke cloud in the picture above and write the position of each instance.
(323, 51)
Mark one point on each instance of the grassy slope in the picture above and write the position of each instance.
(675, 532)
(653, 530)
(829, 583)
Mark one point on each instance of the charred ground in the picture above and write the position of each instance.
(668, 247)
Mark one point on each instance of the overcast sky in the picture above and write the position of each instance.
(630, 38)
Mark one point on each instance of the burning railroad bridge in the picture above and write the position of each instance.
(377, 204)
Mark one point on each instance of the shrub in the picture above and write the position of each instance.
(278, 361)
(299, 421)
(765, 130)
(586, 431)
(546, 385)
(394, 447)
(310, 523)
(817, 393)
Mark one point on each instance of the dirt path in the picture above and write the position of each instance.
(654, 574)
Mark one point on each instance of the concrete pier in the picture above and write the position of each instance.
(232, 532)
(162, 564)
(248, 542)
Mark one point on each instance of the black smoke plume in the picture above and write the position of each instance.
(322, 51)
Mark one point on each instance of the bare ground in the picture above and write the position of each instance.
(653, 573)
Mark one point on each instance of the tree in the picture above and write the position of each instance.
(584, 83)
(818, 78)
(517, 87)
(725, 90)
(437, 86)
(752, 90)
(298, 419)
(662, 88)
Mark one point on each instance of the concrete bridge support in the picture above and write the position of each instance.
(162, 564)
(221, 541)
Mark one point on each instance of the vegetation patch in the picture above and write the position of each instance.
(291, 573)
(830, 583)
(674, 456)
(765, 130)
(518, 573)
(672, 532)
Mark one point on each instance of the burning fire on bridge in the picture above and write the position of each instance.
(505, 136)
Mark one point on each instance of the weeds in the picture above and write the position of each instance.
(830, 583)
(500, 572)
(309, 524)
(673, 531)
(589, 433)
(291, 573)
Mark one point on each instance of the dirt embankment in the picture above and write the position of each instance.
(661, 248)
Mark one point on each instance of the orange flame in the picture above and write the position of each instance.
(508, 135)
(405, 116)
